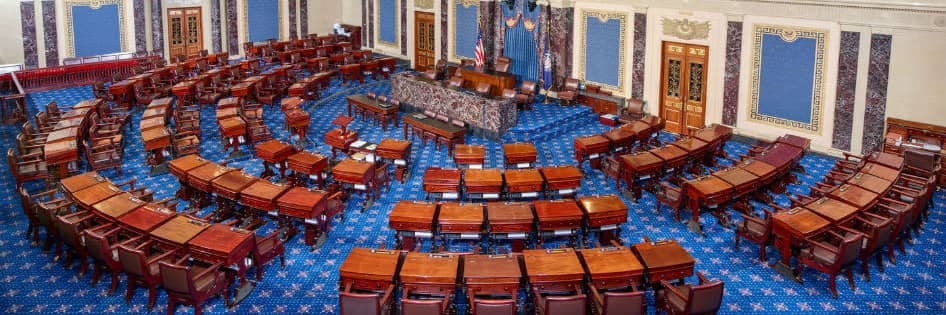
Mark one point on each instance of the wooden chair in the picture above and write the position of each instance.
(206, 95)
(351, 73)
(185, 143)
(46, 206)
(612, 169)
(268, 248)
(371, 68)
(569, 93)
(44, 123)
(618, 303)
(70, 227)
(559, 305)
(258, 132)
(425, 306)
(755, 229)
(25, 147)
(467, 63)
(456, 82)
(144, 95)
(267, 93)
(389, 66)
(526, 94)
(493, 307)
(634, 109)
(27, 167)
(187, 120)
(101, 245)
(193, 284)
(877, 230)
(898, 212)
(162, 88)
(704, 298)
(355, 303)
(105, 156)
(832, 253)
(483, 88)
(141, 267)
(502, 64)
(430, 74)
(53, 111)
(100, 91)
(673, 197)
(31, 135)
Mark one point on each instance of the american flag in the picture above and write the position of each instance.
(479, 52)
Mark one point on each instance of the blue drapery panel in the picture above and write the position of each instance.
(387, 16)
(97, 31)
(520, 43)
(466, 28)
(262, 19)
(786, 78)
(602, 50)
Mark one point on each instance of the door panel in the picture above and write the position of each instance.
(683, 93)
(184, 25)
(425, 40)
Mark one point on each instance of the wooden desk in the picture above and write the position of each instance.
(340, 139)
(621, 139)
(789, 231)
(144, 219)
(306, 165)
(709, 191)
(227, 112)
(463, 221)
(613, 267)
(233, 129)
(470, 155)
(713, 134)
(854, 195)
(262, 195)
(383, 111)
(498, 81)
(638, 169)
(558, 218)
(179, 167)
(553, 270)
(223, 244)
(153, 122)
(423, 273)
(782, 156)
(592, 148)
(201, 177)
(227, 187)
(442, 182)
(664, 260)
(94, 194)
(75, 183)
(794, 140)
(399, 152)
(412, 220)
(274, 152)
(743, 182)
(176, 232)
(491, 275)
(359, 174)
(524, 183)
(673, 156)
(561, 180)
(765, 171)
(369, 269)
(521, 155)
(870, 182)
(833, 210)
(881, 171)
(453, 134)
(693, 146)
(116, 206)
(155, 140)
(604, 214)
(510, 221)
(483, 183)
(309, 206)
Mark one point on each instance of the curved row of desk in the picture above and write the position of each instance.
(495, 184)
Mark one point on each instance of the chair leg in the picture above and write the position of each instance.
(865, 269)
(130, 291)
(152, 296)
(736, 243)
(170, 306)
(96, 275)
(832, 286)
(880, 262)
(114, 285)
(762, 257)
(850, 277)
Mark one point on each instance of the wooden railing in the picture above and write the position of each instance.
(74, 72)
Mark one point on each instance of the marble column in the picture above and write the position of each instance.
(304, 18)
(364, 24)
(293, 30)
(141, 40)
(28, 24)
(563, 20)
(640, 47)
(731, 78)
(370, 23)
(233, 38)
(847, 82)
(216, 29)
(444, 27)
(876, 92)
(404, 27)
(498, 40)
(157, 27)
(50, 37)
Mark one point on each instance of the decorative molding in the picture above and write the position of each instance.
(467, 3)
(424, 4)
(603, 16)
(686, 29)
(790, 33)
(95, 5)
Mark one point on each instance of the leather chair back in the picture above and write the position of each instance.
(849, 249)
(359, 303)
(706, 298)
(623, 303)
(133, 260)
(483, 88)
(421, 307)
(565, 305)
(502, 66)
(494, 307)
(509, 93)
(923, 160)
(99, 247)
(635, 107)
(528, 87)
(175, 278)
(456, 82)
(571, 84)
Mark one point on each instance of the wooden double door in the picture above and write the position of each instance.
(184, 26)
(425, 42)
(683, 87)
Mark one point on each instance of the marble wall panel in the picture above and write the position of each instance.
(731, 79)
(876, 92)
(444, 35)
(404, 27)
(304, 18)
(141, 40)
(215, 27)
(157, 26)
(28, 24)
(640, 46)
(562, 21)
(50, 37)
(293, 26)
(847, 82)
(233, 38)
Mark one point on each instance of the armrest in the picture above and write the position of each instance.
(852, 157)
(47, 193)
(812, 242)
(386, 297)
(777, 207)
(918, 170)
(102, 227)
(162, 257)
(670, 288)
(749, 218)
(144, 245)
(130, 183)
(131, 240)
(213, 268)
(596, 297)
(703, 279)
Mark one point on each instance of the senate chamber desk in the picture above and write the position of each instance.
(485, 116)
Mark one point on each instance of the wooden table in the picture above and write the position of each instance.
(638, 170)
(524, 183)
(357, 176)
(613, 267)
(561, 180)
(223, 244)
(434, 274)
(855, 196)
(412, 220)
(460, 221)
(115, 207)
(553, 270)
(483, 183)
(592, 148)
(369, 269)
(664, 260)
(382, 111)
(274, 153)
(309, 206)
(604, 214)
(831, 209)
(72, 184)
(558, 218)
(305, 165)
(709, 191)
(144, 219)
(789, 231)
(519, 155)
(870, 182)
(512, 221)
(399, 152)
(491, 275)
(94, 194)
(176, 232)
(443, 183)
(470, 155)
(453, 134)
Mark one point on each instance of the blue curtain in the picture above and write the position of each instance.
(466, 30)
(520, 43)
(96, 30)
(262, 19)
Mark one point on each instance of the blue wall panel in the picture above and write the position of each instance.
(262, 19)
(786, 78)
(467, 29)
(97, 31)
(387, 13)
(602, 51)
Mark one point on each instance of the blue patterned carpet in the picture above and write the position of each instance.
(31, 282)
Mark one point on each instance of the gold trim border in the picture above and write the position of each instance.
(790, 33)
(397, 26)
(453, 30)
(603, 16)
(94, 4)
(245, 17)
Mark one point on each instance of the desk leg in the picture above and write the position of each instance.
(405, 131)
(267, 172)
(694, 224)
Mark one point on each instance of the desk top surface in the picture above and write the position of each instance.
(802, 222)
(870, 182)
(96, 193)
(758, 168)
(662, 254)
(549, 209)
(187, 163)
(669, 152)
(501, 212)
(370, 262)
(301, 197)
(180, 230)
(560, 172)
(709, 185)
(234, 181)
(518, 149)
(118, 205)
(559, 262)
(220, 238)
(880, 171)
(854, 195)
(736, 176)
(457, 213)
(609, 260)
(430, 268)
(522, 175)
(483, 176)
(690, 144)
(831, 209)
(413, 211)
(78, 182)
(147, 218)
(594, 205)
(264, 189)
(489, 267)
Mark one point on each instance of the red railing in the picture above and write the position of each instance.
(78, 73)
